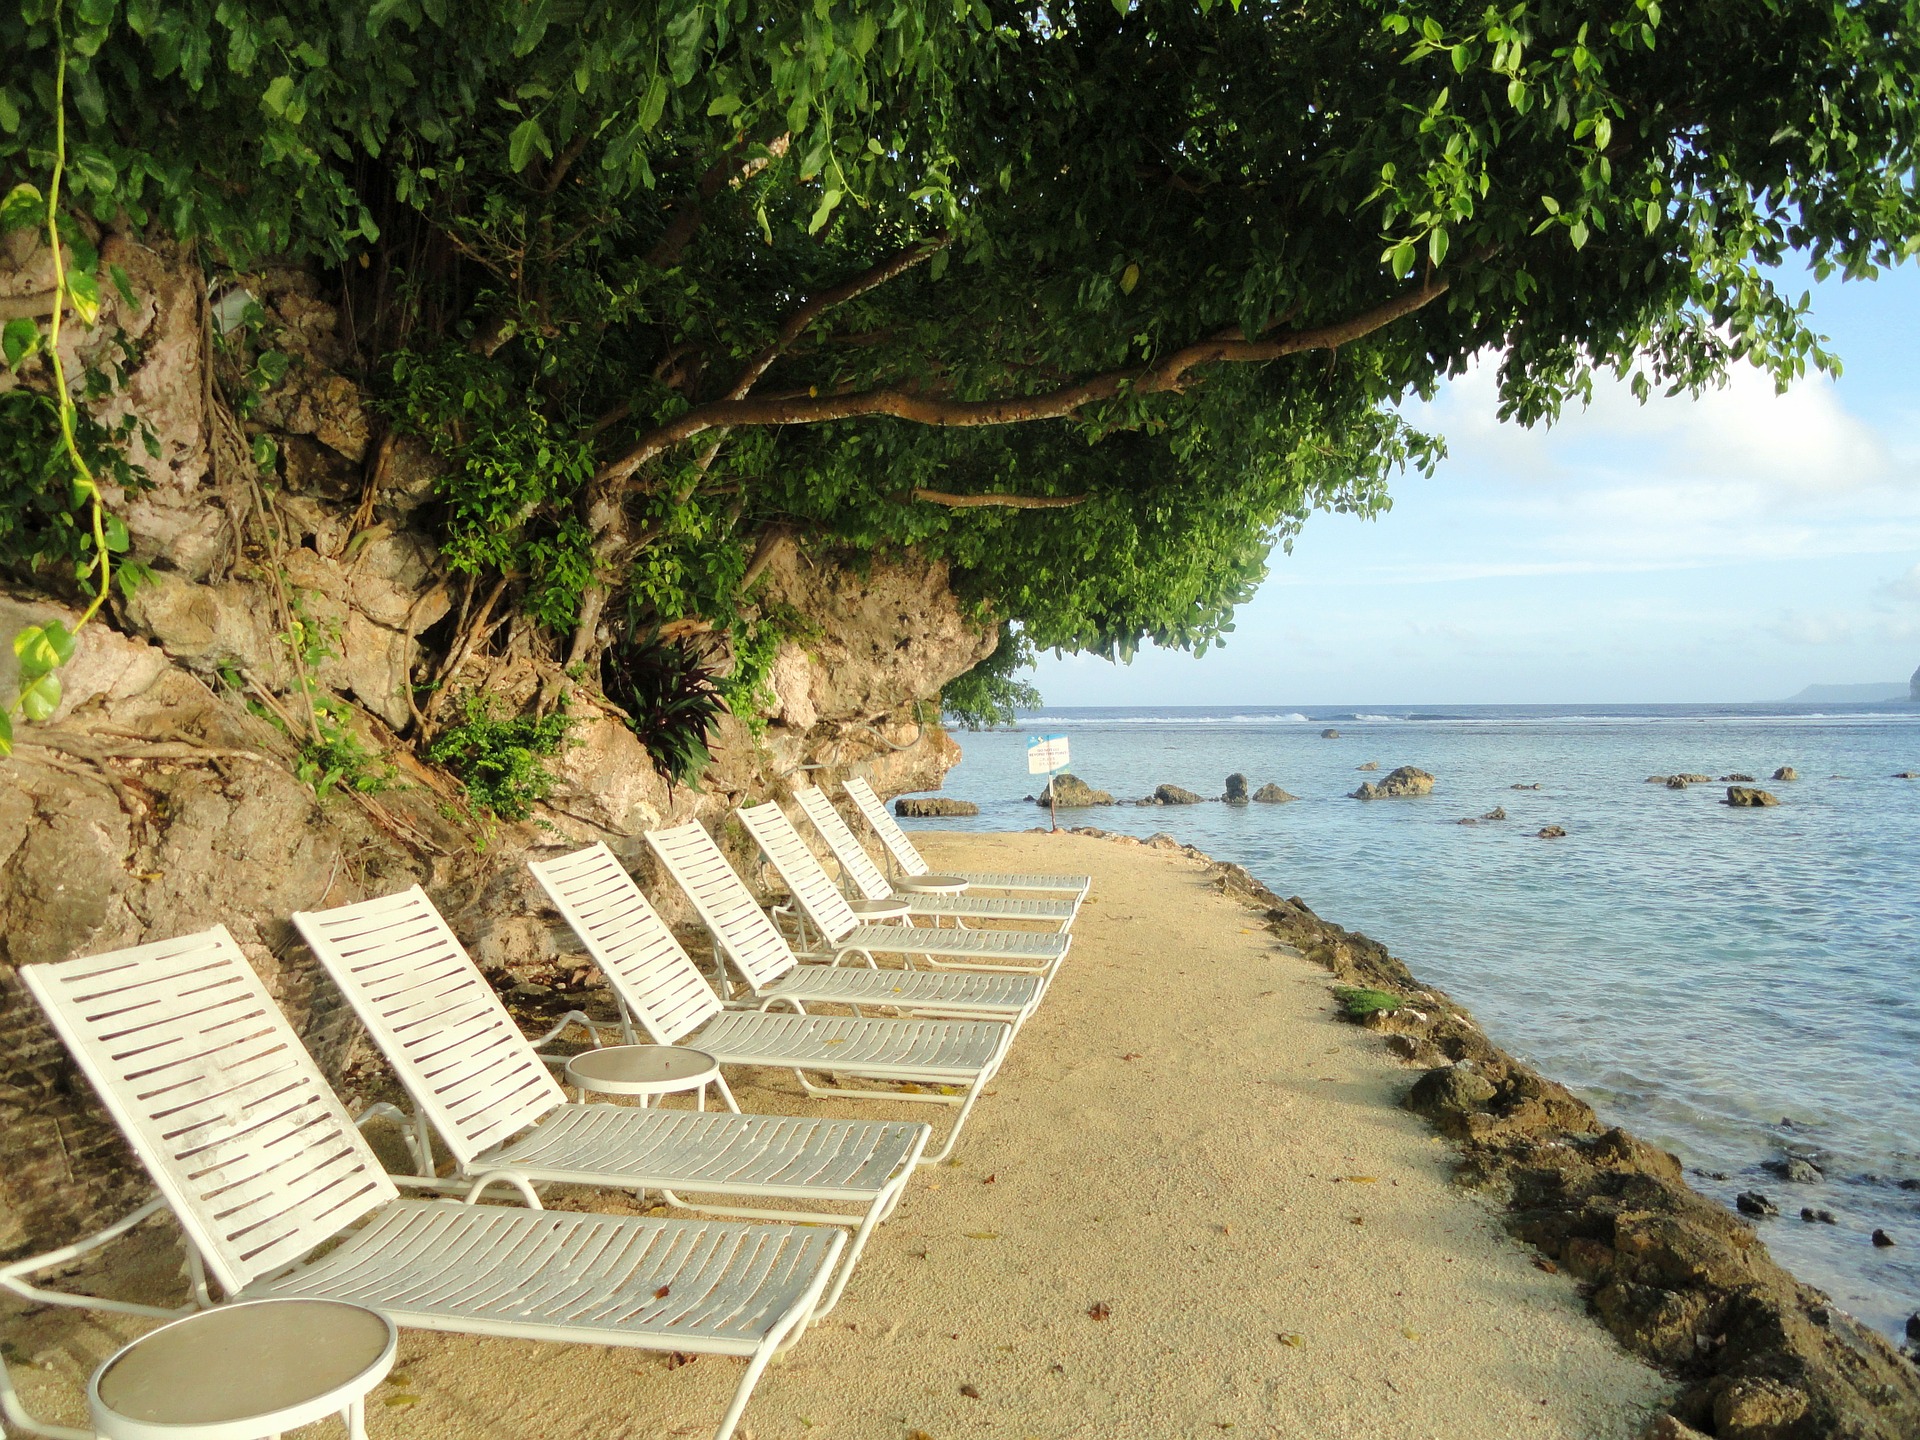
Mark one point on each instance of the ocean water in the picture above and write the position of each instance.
(1734, 985)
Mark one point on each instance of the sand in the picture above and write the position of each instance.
(1189, 1206)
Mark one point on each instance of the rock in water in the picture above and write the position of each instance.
(1882, 1239)
(1738, 778)
(1676, 782)
(1817, 1217)
(1236, 790)
(1536, 785)
(1907, 775)
(927, 806)
(1785, 772)
(1746, 796)
(1070, 792)
(1174, 795)
(1752, 1202)
(1271, 794)
(1329, 734)
(1551, 832)
(1498, 812)
(1448, 1095)
(1401, 783)
(1651, 780)
(1370, 765)
(1794, 1168)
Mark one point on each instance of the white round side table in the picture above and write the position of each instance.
(875, 910)
(929, 884)
(647, 1071)
(245, 1371)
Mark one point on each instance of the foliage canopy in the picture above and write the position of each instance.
(1096, 300)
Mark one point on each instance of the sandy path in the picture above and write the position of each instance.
(1173, 1138)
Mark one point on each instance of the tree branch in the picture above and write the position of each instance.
(1163, 375)
(668, 249)
(1000, 498)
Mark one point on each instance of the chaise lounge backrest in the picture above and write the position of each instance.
(435, 1017)
(726, 905)
(812, 887)
(844, 844)
(213, 1090)
(655, 978)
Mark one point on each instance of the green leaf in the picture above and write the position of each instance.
(684, 37)
(115, 531)
(824, 213)
(20, 339)
(527, 137)
(92, 170)
(123, 285)
(653, 103)
(1602, 132)
(84, 291)
(1577, 232)
(6, 734)
(266, 453)
(40, 698)
(35, 651)
(1401, 258)
(95, 12)
(24, 205)
(60, 638)
(9, 112)
(1129, 278)
(1437, 246)
(723, 105)
(275, 98)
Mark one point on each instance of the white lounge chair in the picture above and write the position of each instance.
(913, 866)
(262, 1167)
(862, 875)
(487, 1093)
(841, 931)
(657, 984)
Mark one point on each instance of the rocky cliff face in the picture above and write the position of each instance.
(162, 798)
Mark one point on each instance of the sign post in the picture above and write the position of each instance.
(1046, 754)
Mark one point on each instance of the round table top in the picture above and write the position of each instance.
(641, 1069)
(244, 1370)
(881, 909)
(930, 885)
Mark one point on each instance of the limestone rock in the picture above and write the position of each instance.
(313, 400)
(1069, 792)
(1370, 765)
(1170, 795)
(1406, 781)
(1694, 778)
(928, 806)
(1758, 1408)
(1498, 812)
(1551, 832)
(1236, 791)
(1752, 1202)
(1653, 780)
(1795, 1168)
(106, 665)
(1329, 734)
(1813, 1216)
(1745, 796)
(1882, 1239)
(1738, 779)
(1536, 785)
(1667, 1427)
(1449, 1094)
(1271, 794)
(1785, 772)
(792, 685)
(1907, 775)
(1676, 782)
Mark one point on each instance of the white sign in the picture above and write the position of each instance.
(1046, 753)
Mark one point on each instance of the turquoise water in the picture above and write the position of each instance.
(1734, 985)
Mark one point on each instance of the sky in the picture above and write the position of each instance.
(1735, 547)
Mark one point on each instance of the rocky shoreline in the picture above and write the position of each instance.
(1675, 1277)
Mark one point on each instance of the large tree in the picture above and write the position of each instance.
(1097, 300)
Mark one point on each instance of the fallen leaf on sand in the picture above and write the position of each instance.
(983, 1234)
(918, 1435)
(1296, 1341)
(677, 1358)
(1361, 1179)
(1131, 1055)
(396, 1402)
(1541, 1262)
(970, 1392)
(1410, 1334)
(1358, 1220)
(990, 1179)
(1099, 1310)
